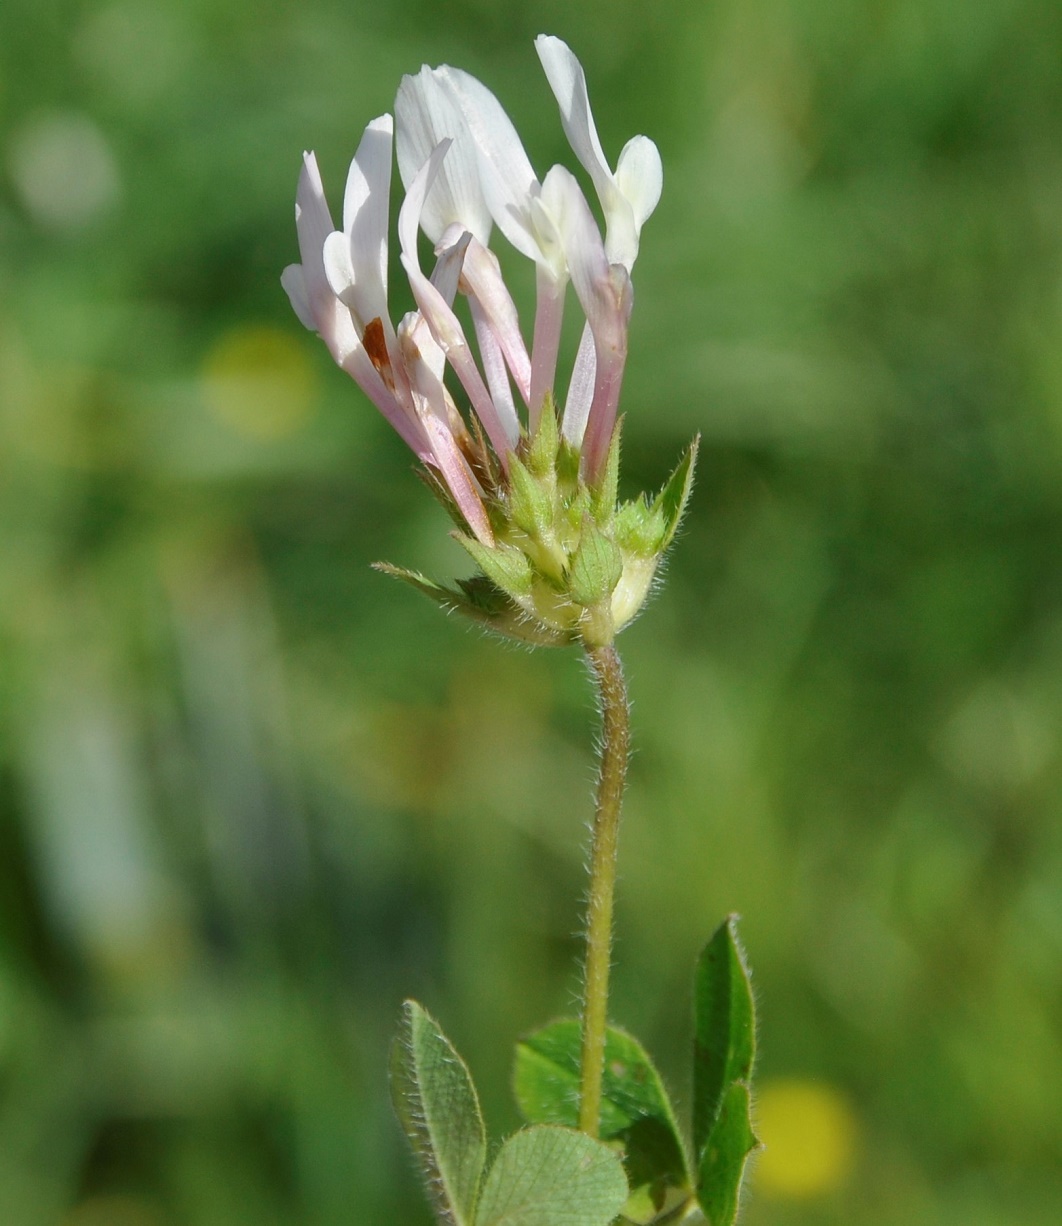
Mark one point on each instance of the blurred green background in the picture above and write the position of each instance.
(254, 794)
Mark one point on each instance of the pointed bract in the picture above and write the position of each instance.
(672, 499)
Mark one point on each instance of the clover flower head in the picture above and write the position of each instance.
(533, 491)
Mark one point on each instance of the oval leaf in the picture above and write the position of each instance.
(436, 1103)
(635, 1109)
(550, 1176)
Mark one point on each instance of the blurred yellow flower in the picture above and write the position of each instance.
(809, 1132)
(259, 381)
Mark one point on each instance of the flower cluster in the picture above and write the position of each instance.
(535, 503)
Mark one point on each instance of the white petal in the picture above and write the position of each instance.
(547, 210)
(549, 316)
(490, 353)
(360, 367)
(580, 390)
(450, 257)
(486, 289)
(628, 198)
(458, 479)
(314, 224)
(506, 175)
(622, 230)
(414, 337)
(568, 82)
(428, 114)
(337, 265)
(329, 316)
(640, 176)
(294, 284)
(444, 324)
(604, 292)
(433, 414)
(423, 361)
(416, 190)
(370, 176)
(587, 261)
(366, 216)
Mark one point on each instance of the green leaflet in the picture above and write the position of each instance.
(635, 1110)
(724, 1026)
(723, 1054)
(437, 1106)
(542, 1176)
(550, 1176)
(722, 1163)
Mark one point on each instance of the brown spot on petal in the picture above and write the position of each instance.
(376, 347)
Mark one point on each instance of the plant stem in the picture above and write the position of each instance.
(615, 749)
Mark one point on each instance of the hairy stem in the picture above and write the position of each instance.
(615, 748)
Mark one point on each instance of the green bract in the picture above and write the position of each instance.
(569, 563)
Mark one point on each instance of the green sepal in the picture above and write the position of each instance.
(635, 1111)
(436, 1104)
(568, 563)
(542, 450)
(596, 567)
(503, 565)
(672, 499)
(577, 508)
(483, 462)
(639, 528)
(724, 1051)
(530, 504)
(568, 458)
(606, 490)
(549, 1176)
(725, 1157)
